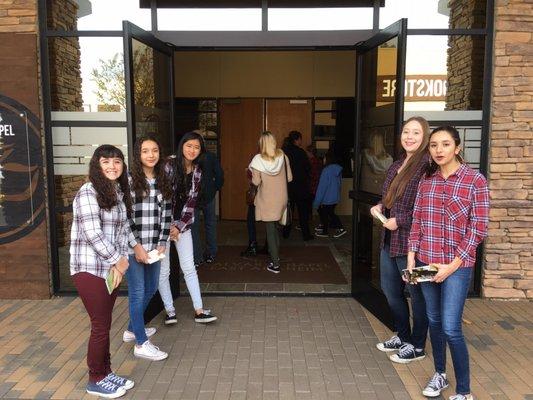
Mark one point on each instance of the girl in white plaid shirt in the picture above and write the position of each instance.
(151, 192)
(99, 243)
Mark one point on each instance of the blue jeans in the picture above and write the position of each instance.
(393, 286)
(142, 284)
(210, 222)
(445, 303)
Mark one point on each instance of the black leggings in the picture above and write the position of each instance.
(328, 218)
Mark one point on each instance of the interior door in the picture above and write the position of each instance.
(379, 92)
(285, 115)
(148, 69)
(241, 123)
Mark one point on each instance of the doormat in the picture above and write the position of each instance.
(299, 264)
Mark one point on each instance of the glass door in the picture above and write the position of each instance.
(379, 92)
(149, 78)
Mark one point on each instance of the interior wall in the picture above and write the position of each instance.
(264, 73)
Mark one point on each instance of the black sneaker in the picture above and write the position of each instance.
(407, 353)
(394, 343)
(251, 250)
(273, 267)
(205, 317)
(339, 232)
(436, 384)
(319, 227)
(210, 259)
(171, 319)
(321, 233)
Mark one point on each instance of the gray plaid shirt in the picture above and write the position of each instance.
(98, 237)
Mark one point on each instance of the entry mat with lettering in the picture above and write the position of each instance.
(299, 264)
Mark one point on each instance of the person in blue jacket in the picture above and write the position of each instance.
(327, 197)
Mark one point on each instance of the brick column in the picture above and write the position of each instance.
(508, 269)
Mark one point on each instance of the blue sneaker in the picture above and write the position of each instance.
(120, 381)
(105, 389)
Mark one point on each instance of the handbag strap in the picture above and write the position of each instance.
(286, 173)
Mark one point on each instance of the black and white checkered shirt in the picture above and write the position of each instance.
(98, 237)
(151, 217)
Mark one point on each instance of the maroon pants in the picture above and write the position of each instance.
(99, 305)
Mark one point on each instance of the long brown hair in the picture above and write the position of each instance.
(398, 185)
(139, 184)
(106, 193)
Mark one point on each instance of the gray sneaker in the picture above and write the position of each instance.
(407, 353)
(436, 384)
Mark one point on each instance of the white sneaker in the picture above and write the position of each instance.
(435, 385)
(128, 336)
(149, 352)
(461, 397)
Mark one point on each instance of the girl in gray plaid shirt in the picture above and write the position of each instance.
(98, 244)
(150, 227)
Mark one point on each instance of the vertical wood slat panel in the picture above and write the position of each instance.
(241, 123)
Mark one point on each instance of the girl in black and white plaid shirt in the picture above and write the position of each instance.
(99, 244)
(150, 227)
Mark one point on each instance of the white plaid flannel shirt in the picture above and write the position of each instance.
(98, 237)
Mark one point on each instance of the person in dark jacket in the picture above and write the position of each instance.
(212, 181)
(327, 197)
(299, 189)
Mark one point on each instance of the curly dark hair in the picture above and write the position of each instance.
(106, 193)
(139, 185)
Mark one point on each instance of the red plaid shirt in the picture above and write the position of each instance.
(402, 209)
(450, 217)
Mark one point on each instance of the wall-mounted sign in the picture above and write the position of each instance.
(417, 88)
(22, 205)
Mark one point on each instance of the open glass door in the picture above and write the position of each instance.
(379, 92)
(149, 79)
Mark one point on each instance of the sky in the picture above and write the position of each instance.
(108, 15)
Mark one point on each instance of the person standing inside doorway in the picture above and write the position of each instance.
(450, 219)
(398, 197)
(212, 181)
(271, 172)
(299, 188)
(150, 228)
(327, 197)
(98, 245)
(185, 175)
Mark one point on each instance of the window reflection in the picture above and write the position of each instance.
(434, 14)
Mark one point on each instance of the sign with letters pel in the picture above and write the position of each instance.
(22, 205)
(417, 88)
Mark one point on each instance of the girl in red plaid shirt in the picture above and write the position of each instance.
(450, 219)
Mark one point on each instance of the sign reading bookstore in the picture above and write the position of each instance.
(22, 205)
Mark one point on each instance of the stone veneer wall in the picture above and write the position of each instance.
(508, 269)
(465, 56)
(18, 16)
(65, 95)
(65, 58)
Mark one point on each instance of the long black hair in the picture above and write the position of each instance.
(454, 133)
(139, 184)
(106, 193)
(180, 172)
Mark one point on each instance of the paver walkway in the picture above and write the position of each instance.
(261, 348)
